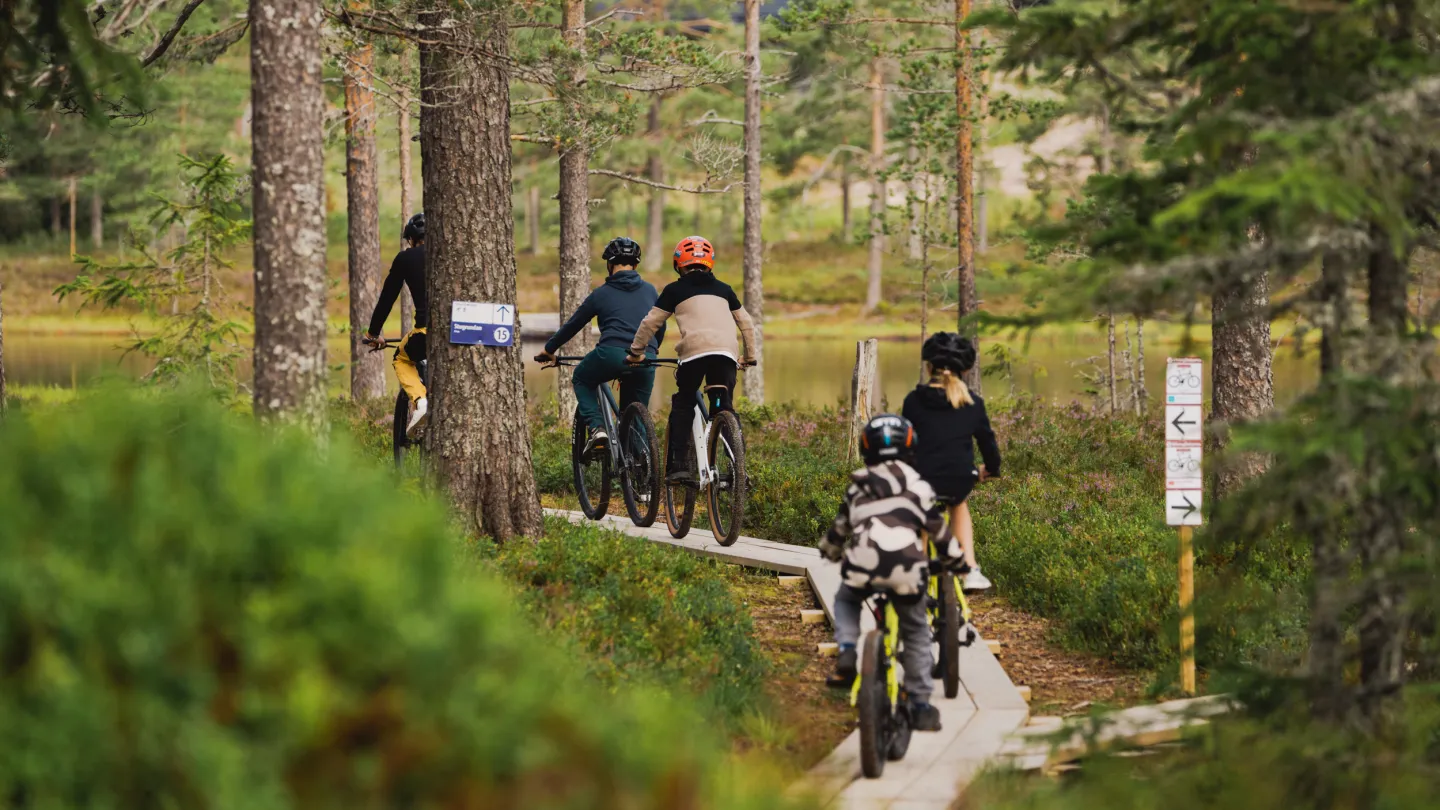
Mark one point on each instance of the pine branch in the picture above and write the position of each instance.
(630, 178)
(169, 37)
(710, 118)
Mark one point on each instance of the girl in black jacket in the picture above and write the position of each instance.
(949, 421)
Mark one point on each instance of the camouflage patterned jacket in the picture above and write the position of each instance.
(880, 531)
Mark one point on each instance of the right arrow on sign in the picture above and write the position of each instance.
(1186, 509)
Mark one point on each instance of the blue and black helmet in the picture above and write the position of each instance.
(887, 437)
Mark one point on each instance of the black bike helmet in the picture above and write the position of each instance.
(622, 250)
(887, 437)
(949, 350)
(415, 228)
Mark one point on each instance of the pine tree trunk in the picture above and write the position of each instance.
(1110, 367)
(574, 209)
(655, 248)
(72, 216)
(1142, 402)
(477, 439)
(968, 301)
(289, 209)
(877, 186)
(1383, 624)
(3, 393)
(97, 220)
(913, 154)
(1335, 314)
(362, 199)
(847, 231)
(532, 218)
(55, 216)
(407, 184)
(1242, 385)
(754, 289)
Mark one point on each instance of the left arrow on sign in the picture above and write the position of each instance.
(1181, 423)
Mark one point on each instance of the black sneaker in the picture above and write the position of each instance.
(844, 675)
(924, 717)
(599, 440)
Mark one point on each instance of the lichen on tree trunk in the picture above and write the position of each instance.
(1242, 383)
(477, 439)
(289, 209)
(968, 300)
(362, 197)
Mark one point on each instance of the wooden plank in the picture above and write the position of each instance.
(1138, 726)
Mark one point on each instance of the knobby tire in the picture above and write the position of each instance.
(641, 474)
(949, 635)
(873, 703)
(728, 490)
(593, 503)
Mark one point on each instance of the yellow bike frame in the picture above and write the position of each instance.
(892, 683)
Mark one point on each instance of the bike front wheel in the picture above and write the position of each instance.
(592, 472)
(873, 704)
(949, 635)
(640, 471)
(679, 503)
(398, 440)
(729, 483)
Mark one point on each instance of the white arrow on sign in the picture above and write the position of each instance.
(1182, 507)
(1183, 422)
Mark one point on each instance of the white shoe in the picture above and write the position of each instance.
(417, 416)
(976, 581)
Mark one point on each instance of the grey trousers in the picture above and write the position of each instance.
(915, 636)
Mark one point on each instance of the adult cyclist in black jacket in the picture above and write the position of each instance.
(408, 270)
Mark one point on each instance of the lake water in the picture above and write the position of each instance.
(815, 372)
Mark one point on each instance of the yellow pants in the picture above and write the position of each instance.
(410, 352)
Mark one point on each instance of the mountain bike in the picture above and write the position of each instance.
(401, 442)
(631, 451)
(949, 614)
(719, 468)
(884, 713)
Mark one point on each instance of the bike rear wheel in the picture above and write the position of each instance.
(873, 703)
(679, 502)
(592, 474)
(949, 635)
(728, 484)
(398, 440)
(640, 474)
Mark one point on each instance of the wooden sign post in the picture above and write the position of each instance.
(1184, 488)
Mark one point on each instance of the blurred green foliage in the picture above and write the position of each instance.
(194, 612)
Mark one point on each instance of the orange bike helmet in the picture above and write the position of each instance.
(695, 250)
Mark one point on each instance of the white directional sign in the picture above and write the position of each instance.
(474, 323)
(1183, 423)
(1182, 507)
(1182, 465)
(1182, 381)
(1184, 451)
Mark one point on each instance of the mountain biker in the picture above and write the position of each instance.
(880, 535)
(620, 304)
(950, 421)
(408, 270)
(707, 312)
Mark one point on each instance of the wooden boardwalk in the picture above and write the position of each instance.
(976, 723)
